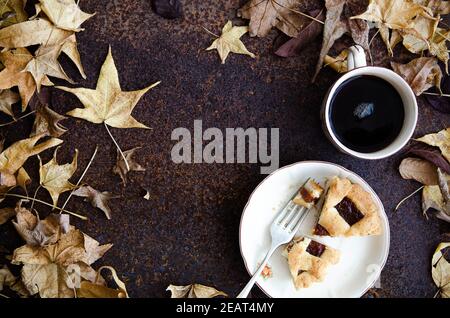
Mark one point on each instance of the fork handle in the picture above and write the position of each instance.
(244, 293)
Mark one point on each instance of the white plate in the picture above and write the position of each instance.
(362, 258)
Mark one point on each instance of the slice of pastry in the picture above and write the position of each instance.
(308, 194)
(309, 261)
(348, 210)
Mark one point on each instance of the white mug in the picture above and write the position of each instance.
(356, 65)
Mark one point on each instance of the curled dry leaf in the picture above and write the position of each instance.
(36, 232)
(428, 153)
(307, 34)
(441, 140)
(6, 214)
(65, 14)
(391, 15)
(94, 290)
(194, 291)
(440, 269)
(420, 170)
(7, 99)
(421, 73)
(438, 197)
(108, 103)
(121, 168)
(47, 122)
(12, 12)
(229, 41)
(266, 14)
(55, 178)
(13, 157)
(168, 9)
(96, 198)
(23, 179)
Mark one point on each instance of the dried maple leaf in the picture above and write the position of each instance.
(438, 197)
(55, 178)
(440, 269)
(108, 103)
(53, 270)
(266, 14)
(420, 170)
(13, 157)
(65, 14)
(229, 41)
(7, 99)
(36, 232)
(421, 73)
(441, 140)
(194, 291)
(47, 122)
(15, 62)
(96, 198)
(45, 63)
(121, 168)
(391, 14)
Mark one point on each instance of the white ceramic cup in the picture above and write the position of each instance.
(356, 64)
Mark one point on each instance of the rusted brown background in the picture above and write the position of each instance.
(188, 231)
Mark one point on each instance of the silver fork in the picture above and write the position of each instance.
(282, 231)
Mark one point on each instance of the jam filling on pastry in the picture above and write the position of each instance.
(321, 231)
(315, 248)
(348, 211)
(306, 195)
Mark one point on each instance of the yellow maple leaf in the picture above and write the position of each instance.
(108, 103)
(55, 178)
(230, 41)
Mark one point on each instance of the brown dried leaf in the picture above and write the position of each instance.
(421, 73)
(121, 168)
(94, 251)
(334, 28)
(36, 232)
(308, 33)
(338, 63)
(6, 214)
(440, 269)
(55, 178)
(194, 291)
(96, 198)
(7, 99)
(441, 140)
(47, 123)
(420, 170)
(23, 179)
(229, 41)
(266, 14)
(94, 290)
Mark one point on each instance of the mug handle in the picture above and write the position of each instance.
(356, 57)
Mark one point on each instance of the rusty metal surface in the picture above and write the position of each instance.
(188, 231)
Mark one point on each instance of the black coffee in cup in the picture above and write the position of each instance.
(366, 113)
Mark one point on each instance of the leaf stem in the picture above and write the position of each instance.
(81, 178)
(43, 202)
(17, 119)
(34, 196)
(306, 15)
(213, 34)
(118, 147)
(436, 94)
(4, 296)
(407, 197)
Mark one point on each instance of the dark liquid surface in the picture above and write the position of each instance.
(366, 113)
